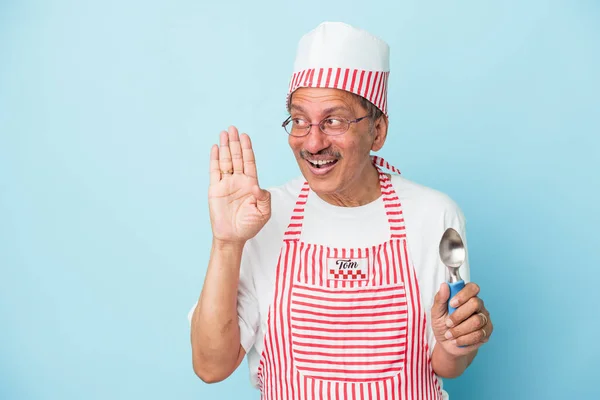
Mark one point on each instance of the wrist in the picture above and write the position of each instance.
(228, 245)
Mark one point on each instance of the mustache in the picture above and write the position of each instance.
(325, 152)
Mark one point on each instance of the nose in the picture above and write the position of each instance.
(316, 140)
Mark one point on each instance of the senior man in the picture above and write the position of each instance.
(331, 284)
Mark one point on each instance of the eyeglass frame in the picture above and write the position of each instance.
(309, 127)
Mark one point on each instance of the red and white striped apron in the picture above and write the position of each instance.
(347, 323)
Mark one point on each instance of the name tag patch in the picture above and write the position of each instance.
(348, 269)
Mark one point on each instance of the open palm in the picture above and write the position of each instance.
(238, 207)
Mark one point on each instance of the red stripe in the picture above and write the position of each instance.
(355, 291)
(381, 91)
(355, 315)
(353, 307)
(345, 346)
(299, 78)
(368, 84)
(373, 85)
(351, 338)
(320, 264)
(337, 77)
(328, 77)
(345, 79)
(360, 82)
(401, 327)
(384, 100)
(378, 90)
(353, 80)
(338, 354)
(339, 371)
(306, 76)
(344, 256)
(355, 300)
(300, 269)
(347, 363)
(319, 78)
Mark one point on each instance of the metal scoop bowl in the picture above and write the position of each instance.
(453, 255)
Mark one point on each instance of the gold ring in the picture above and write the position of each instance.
(228, 172)
(485, 318)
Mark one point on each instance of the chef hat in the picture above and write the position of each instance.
(337, 55)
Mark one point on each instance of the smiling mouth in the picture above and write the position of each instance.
(321, 163)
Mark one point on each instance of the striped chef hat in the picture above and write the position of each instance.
(340, 56)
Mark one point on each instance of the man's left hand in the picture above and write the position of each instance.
(469, 326)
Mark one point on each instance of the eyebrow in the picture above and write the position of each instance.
(326, 111)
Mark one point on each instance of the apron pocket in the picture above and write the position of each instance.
(349, 334)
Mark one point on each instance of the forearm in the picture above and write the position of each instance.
(215, 333)
(449, 366)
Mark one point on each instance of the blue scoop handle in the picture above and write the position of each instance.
(454, 289)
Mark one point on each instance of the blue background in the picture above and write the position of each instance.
(108, 110)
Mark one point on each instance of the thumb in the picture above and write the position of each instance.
(263, 199)
(440, 303)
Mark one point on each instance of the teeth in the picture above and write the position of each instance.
(321, 162)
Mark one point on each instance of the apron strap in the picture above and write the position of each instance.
(391, 202)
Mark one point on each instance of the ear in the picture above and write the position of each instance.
(380, 133)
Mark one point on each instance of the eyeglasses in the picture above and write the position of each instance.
(299, 127)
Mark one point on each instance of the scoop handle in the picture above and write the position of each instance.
(455, 287)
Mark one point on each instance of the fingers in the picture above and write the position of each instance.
(225, 163)
(214, 172)
(472, 306)
(472, 324)
(470, 290)
(236, 150)
(234, 155)
(248, 156)
(471, 332)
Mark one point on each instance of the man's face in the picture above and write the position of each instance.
(333, 165)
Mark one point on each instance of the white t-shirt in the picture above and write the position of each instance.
(427, 214)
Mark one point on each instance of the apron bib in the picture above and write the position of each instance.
(347, 323)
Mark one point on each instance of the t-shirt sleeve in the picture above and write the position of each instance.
(247, 300)
(453, 218)
(247, 303)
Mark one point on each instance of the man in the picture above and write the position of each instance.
(332, 284)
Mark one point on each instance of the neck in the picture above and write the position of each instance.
(361, 191)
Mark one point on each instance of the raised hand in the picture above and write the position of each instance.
(239, 208)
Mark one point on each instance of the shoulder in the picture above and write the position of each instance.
(425, 201)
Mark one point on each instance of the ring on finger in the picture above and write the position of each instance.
(228, 172)
(485, 318)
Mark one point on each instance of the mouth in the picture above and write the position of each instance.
(321, 167)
